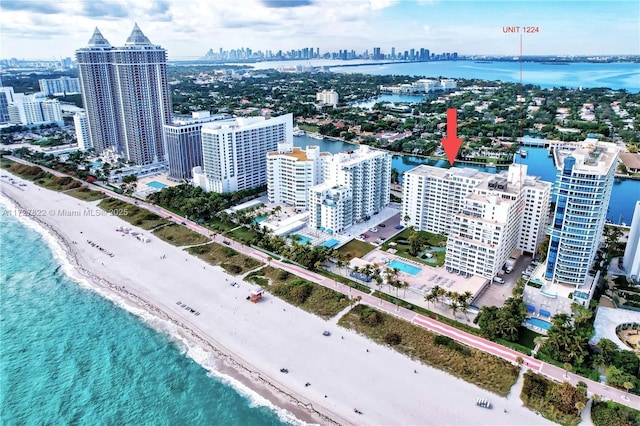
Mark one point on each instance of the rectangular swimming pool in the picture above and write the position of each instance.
(259, 219)
(156, 184)
(330, 243)
(302, 239)
(404, 267)
(537, 322)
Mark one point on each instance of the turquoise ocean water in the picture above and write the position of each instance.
(68, 355)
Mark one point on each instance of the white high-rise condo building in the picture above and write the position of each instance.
(485, 216)
(329, 97)
(126, 96)
(60, 86)
(360, 178)
(183, 141)
(34, 109)
(292, 171)
(82, 131)
(583, 190)
(235, 152)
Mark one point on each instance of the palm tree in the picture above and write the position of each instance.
(435, 292)
(441, 293)
(404, 285)
(454, 305)
(628, 386)
(340, 265)
(519, 361)
(429, 298)
(567, 367)
(580, 406)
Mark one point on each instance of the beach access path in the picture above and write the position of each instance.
(252, 342)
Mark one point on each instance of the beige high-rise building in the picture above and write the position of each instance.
(126, 96)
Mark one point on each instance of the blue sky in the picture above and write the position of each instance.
(188, 28)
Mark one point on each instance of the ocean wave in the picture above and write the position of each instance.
(178, 335)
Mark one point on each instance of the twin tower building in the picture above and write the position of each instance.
(127, 100)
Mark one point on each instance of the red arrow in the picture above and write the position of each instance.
(452, 142)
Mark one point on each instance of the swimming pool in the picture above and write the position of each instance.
(302, 239)
(404, 267)
(156, 184)
(330, 243)
(537, 322)
(259, 219)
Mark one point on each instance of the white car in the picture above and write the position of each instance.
(373, 229)
(498, 280)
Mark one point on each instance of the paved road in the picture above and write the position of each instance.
(477, 342)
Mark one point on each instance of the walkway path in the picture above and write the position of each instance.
(548, 370)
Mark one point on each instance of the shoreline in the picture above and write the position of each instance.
(227, 362)
(264, 337)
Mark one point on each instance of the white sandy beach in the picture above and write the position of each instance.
(257, 340)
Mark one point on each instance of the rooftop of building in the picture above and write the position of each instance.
(364, 152)
(189, 121)
(592, 156)
(296, 153)
(487, 181)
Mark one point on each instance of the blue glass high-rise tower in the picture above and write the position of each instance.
(582, 189)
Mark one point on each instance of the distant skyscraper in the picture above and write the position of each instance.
(82, 130)
(126, 96)
(59, 86)
(583, 189)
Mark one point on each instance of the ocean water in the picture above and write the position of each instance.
(68, 355)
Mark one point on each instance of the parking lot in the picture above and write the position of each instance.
(495, 294)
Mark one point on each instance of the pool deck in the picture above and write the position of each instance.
(429, 276)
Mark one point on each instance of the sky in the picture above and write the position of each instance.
(48, 29)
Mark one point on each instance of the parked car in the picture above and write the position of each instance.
(398, 227)
(326, 333)
(364, 235)
(382, 225)
(498, 280)
(373, 229)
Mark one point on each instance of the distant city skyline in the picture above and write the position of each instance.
(39, 29)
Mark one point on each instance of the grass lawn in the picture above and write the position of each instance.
(132, 213)
(217, 254)
(179, 235)
(219, 225)
(86, 194)
(356, 248)
(474, 366)
(428, 239)
(242, 234)
(39, 176)
(308, 128)
(304, 294)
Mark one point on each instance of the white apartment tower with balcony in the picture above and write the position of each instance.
(291, 171)
(126, 96)
(82, 131)
(328, 97)
(485, 216)
(356, 185)
(235, 152)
